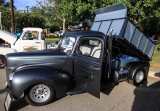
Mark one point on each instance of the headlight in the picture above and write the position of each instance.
(11, 76)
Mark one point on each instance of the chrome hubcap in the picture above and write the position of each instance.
(40, 93)
(1, 63)
(139, 76)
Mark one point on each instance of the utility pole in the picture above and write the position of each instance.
(27, 8)
(0, 21)
(12, 15)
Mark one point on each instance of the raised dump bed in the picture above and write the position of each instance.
(125, 34)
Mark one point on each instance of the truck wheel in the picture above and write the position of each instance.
(138, 76)
(39, 94)
(1, 61)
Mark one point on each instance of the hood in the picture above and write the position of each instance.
(49, 52)
(53, 58)
(8, 37)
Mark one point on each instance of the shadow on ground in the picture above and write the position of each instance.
(3, 90)
(17, 105)
(107, 88)
(157, 74)
(147, 98)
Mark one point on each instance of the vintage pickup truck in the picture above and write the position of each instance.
(30, 39)
(114, 50)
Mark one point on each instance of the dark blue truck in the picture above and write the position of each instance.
(114, 50)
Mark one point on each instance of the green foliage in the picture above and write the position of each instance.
(5, 13)
(51, 14)
(49, 40)
(155, 64)
(144, 13)
(2, 2)
(28, 20)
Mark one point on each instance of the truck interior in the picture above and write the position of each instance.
(91, 48)
(31, 35)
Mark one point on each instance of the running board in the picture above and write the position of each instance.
(105, 86)
(77, 90)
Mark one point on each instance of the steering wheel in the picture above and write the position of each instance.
(79, 51)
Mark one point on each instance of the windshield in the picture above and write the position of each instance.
(67, 43)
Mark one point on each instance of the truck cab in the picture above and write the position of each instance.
(30, 39)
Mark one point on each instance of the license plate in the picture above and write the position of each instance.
(8, 101)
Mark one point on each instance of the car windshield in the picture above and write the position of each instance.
(67, 43)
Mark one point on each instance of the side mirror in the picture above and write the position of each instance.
(43, 38)
(69, 51)
(52, 44)
(30, 38)
(56, 42)
(18, 37)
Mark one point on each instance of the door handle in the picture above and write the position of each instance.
(89, 77)
(97, 68)
(37, 42)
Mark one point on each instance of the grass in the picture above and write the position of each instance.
(155, 63)
(48, 40)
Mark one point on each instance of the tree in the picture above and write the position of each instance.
(144, 13)
(2, 2)
(5, 17)
(69, 11)
(28, 20)
(4, 9)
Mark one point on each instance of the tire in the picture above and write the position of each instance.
(39, 94)
(138, 76)
(2, 63)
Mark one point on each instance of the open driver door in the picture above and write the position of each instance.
(88, 65)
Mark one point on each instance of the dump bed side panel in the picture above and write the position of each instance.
(139, 40)
(126, 34)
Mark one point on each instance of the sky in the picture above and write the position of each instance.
(21, 4)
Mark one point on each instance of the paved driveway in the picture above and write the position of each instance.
(123, 97)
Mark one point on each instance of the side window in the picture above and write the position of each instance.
(31, 35)
(90, 48)
(42, 36)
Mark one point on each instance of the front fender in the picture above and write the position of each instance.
(5, 50)
(23, 79)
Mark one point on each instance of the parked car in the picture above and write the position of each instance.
(30, 39)
(59, 33)
(48, 34)
(2, 42)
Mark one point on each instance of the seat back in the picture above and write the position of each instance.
(96, 52)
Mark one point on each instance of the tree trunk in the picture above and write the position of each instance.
(64, 24)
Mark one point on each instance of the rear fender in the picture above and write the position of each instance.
(134, 65)
(27, 77)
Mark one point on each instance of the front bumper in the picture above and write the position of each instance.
(9, 78)
(6, 85)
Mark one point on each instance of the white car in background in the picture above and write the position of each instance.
(30, 39)
(59, 33)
